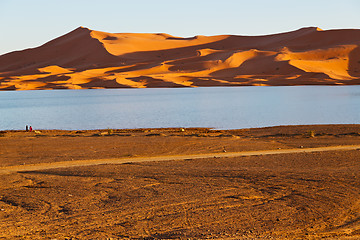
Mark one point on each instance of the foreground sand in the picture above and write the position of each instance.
(86, 58)
(284, 196)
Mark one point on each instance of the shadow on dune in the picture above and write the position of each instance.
(354, 63)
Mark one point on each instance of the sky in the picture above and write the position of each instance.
(31, 23)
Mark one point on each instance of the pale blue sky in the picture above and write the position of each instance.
(30, 23)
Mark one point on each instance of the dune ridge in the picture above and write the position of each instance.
(86, 58)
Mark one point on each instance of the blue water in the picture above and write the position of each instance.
(216, 107)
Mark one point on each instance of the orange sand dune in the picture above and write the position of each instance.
(85, 58)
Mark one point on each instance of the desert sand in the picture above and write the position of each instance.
(294, 194)
(87, 58)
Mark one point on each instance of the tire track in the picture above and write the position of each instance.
(80, 163)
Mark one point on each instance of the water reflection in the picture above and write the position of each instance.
(225, 108)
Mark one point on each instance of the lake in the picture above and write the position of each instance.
(215, 107)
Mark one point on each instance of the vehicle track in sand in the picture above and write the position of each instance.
(80, 163)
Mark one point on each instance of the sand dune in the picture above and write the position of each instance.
(85, 58)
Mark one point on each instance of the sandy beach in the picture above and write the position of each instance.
(164, 190)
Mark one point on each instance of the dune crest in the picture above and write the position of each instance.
(85, 58)
(333, 62)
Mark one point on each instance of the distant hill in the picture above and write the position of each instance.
(86, 58)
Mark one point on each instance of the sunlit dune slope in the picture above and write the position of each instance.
(85, 58)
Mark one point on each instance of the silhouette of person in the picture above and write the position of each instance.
(27, 128)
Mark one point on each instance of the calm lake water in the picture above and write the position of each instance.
(216, 107)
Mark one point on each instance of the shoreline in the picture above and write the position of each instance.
(43, 146)
(179, 128)
(186, 87)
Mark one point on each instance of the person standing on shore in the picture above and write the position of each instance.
(27, 128)
(30, 129)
